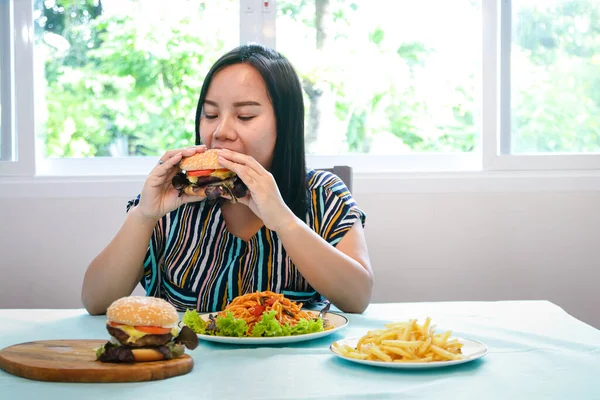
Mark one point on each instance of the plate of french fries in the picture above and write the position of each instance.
(408, 345)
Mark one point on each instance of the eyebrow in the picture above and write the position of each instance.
(236, 104)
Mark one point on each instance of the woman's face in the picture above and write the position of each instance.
(238, 114)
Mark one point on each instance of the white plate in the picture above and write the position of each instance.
(471, 350)
(337, 320)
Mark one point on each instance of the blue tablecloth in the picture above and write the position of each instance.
(536, 351)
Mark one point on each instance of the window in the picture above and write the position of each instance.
(384, 77)
(389, 85)
(121, 77)
(555, 80)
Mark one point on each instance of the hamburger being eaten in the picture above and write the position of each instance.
(144, 329)
(202, 175)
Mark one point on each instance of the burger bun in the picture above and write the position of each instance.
(143, 311)
(206, 160)
(147, 355)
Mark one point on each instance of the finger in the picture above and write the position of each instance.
(187, 152)
(247, 175)
(190, 151)
(167, 166)
(242, 159)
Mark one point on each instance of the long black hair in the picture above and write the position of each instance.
(285, 92)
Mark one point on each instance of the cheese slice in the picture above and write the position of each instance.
(135, 335)
(221, 174)
(224, 174)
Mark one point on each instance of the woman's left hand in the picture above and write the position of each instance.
(263, 198)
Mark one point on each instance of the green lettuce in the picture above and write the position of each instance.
(230, 326)
(268, 326)
(192, 319)
(226, 326)
(306, 326)
(99, 351)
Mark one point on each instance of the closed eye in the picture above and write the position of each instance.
(244, 118)
(210, 116)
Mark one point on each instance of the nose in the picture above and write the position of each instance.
(225, 130)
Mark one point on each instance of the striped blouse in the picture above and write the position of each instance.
(193, 261)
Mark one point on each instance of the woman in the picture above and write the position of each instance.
(296, 232)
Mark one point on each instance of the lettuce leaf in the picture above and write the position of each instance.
(192, 319)
(268, 326)
(99, 351)
(230, 326)
(306, 326)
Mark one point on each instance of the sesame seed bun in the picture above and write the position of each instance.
(147, 355)
(143, 311)
(206, 160)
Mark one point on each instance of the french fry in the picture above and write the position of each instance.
(388, 335)
(405, 342)
(348, 351)
(424, 347)
(402, 343)
(380, 354)
(443, 353)
(406, 334)
(396, 350)
(420, 360)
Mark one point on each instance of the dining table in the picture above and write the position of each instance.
(535, 350)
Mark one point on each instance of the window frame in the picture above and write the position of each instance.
(494, 126)
(21, 109)
(6, 97)
(497, 135)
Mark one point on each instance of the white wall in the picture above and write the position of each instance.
(512, 239)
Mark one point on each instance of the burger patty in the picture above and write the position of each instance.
(180, 180)
(204, 180)
(214, 187)
(148, 340)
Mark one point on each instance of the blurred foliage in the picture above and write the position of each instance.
(113, 90)
(556, 89)
(115, 87)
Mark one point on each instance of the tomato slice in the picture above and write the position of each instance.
(200, 172)
(270, 301)
(257, 310)
(153, 330)
(204, 172)
(115, 324)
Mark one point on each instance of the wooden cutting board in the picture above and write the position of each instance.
(75, 361)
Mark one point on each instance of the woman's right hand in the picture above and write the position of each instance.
(158, 196)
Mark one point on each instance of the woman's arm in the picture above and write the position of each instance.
(115, 272)
(118, 268)
(342, 274)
